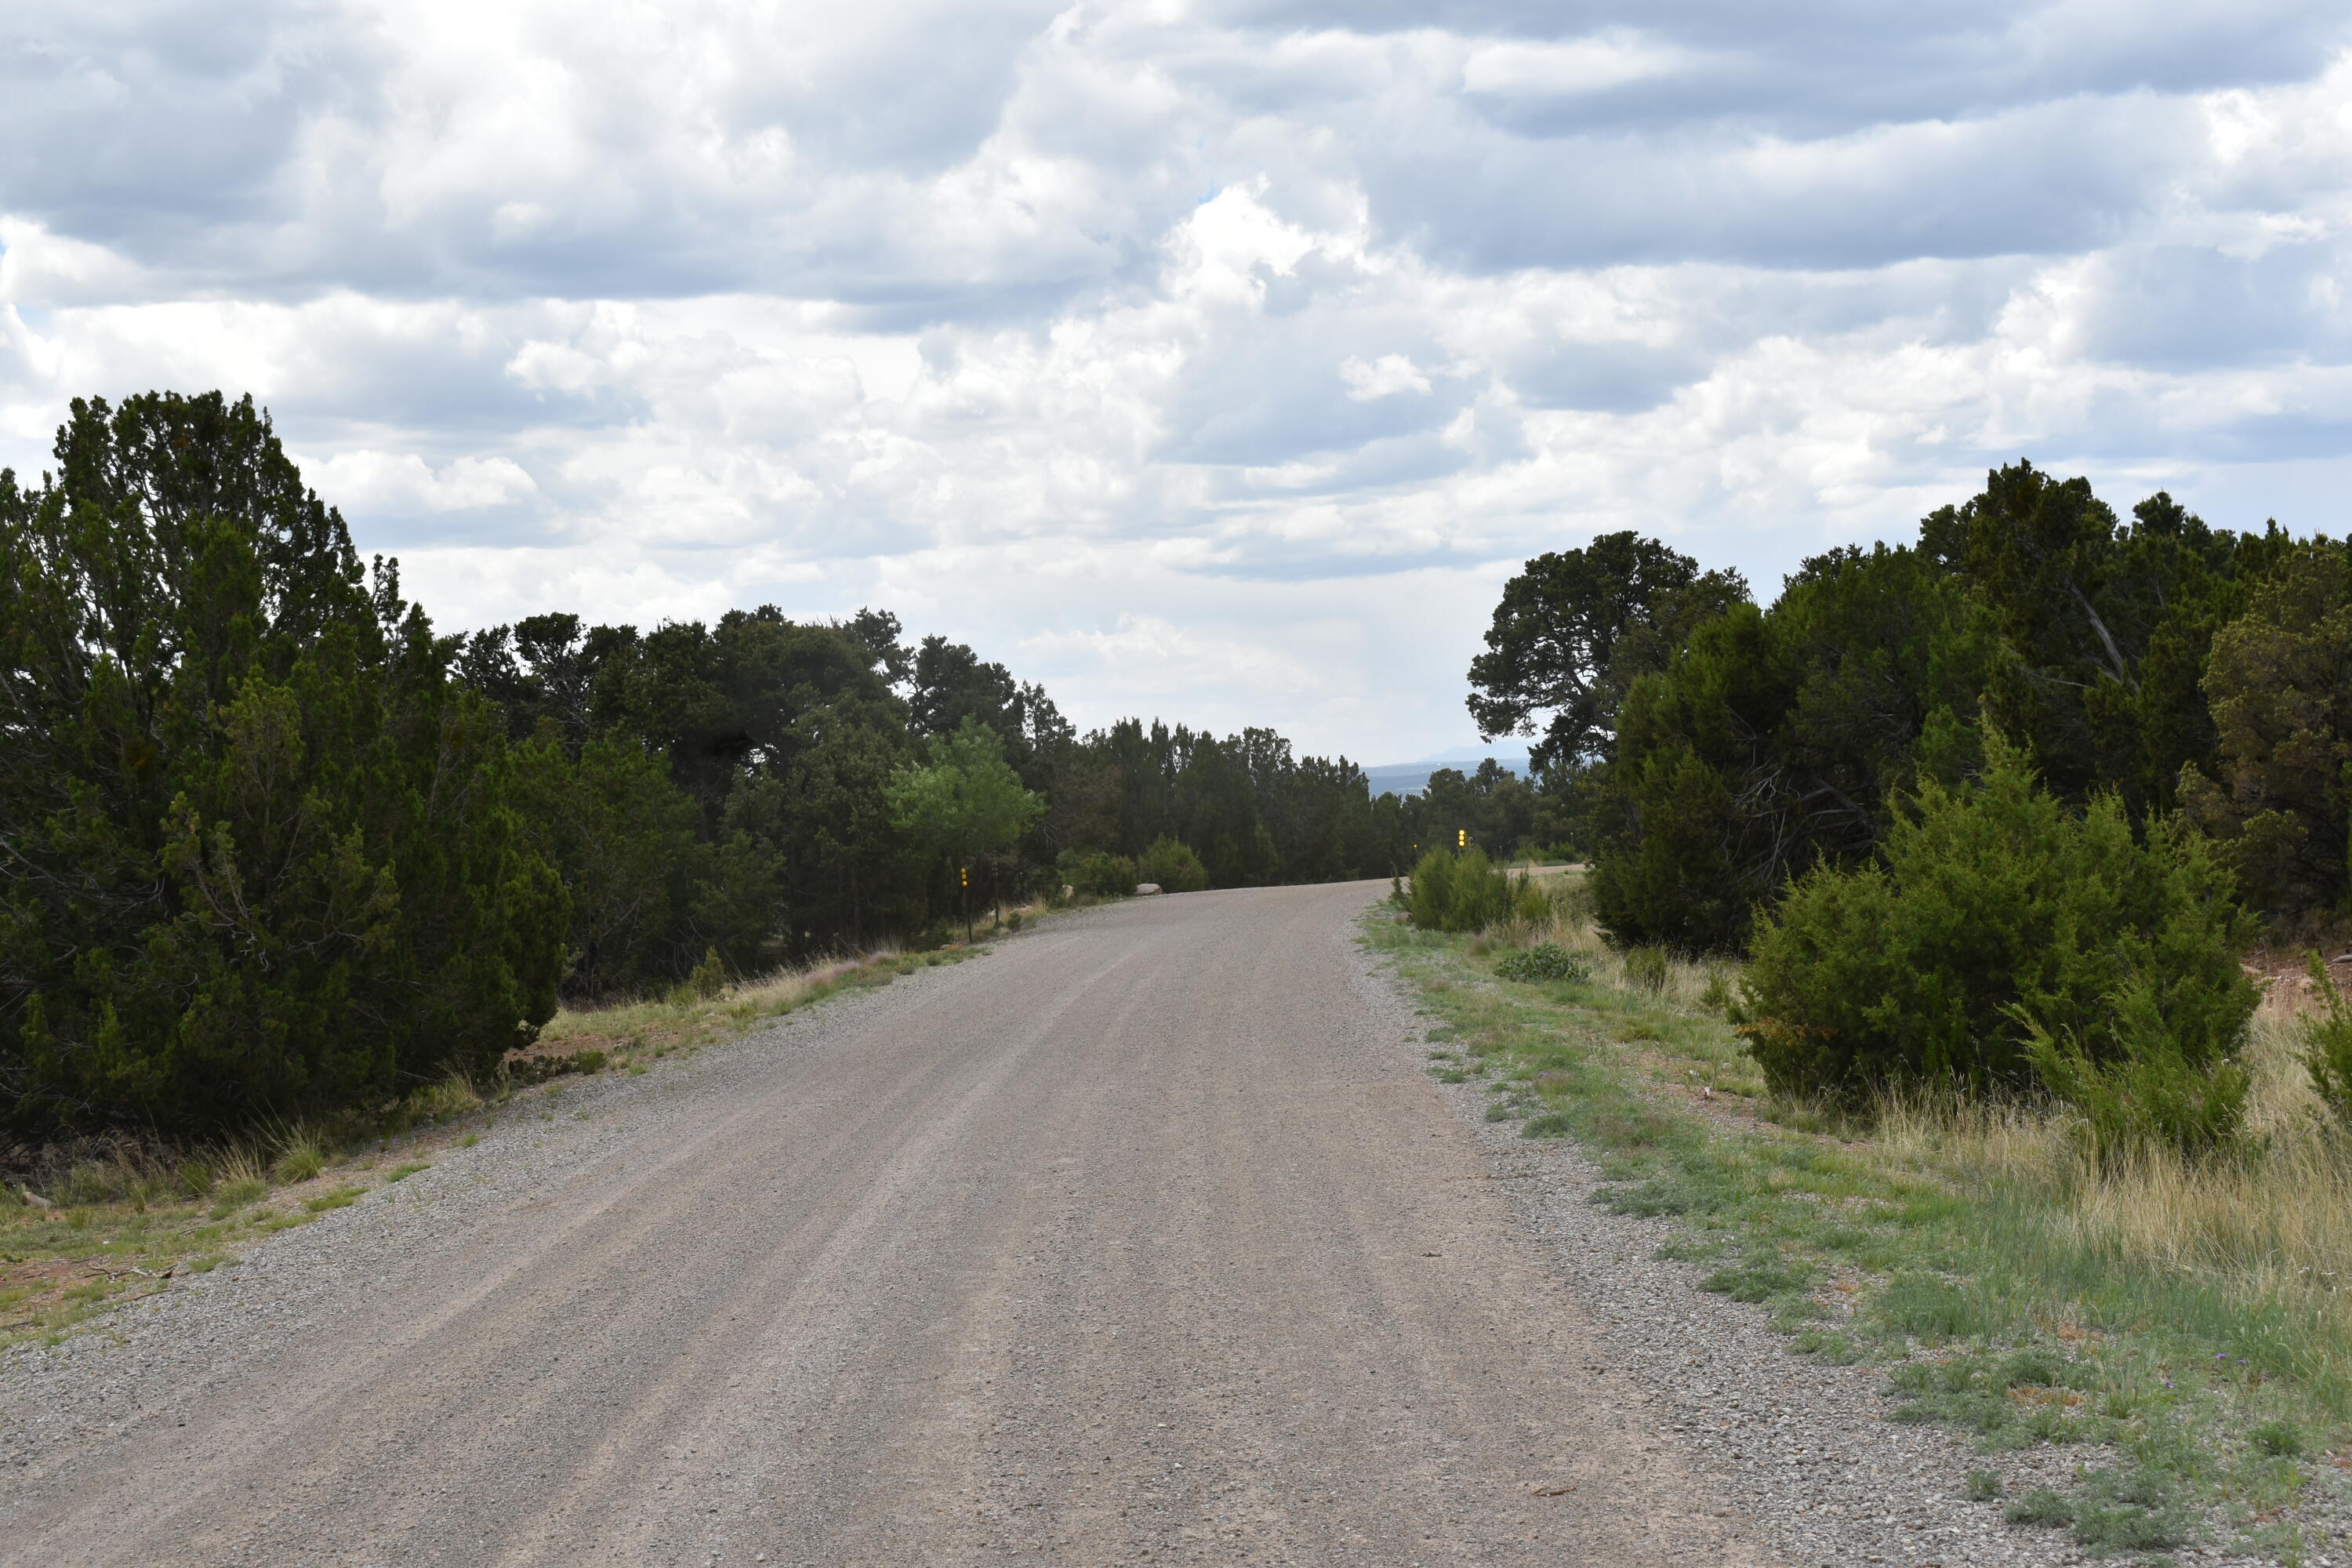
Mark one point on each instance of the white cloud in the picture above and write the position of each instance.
(367, 481)
(1217, 361)
(1517, 69)
(1384, 377)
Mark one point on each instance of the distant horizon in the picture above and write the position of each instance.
(1393, 777)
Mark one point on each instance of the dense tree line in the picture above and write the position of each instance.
(2174, 666)
(271, 844)
(1991, 809)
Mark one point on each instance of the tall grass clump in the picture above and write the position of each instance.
(1559, 912)
(300, 1153)
(2005, 943)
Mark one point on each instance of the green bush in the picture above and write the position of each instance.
(704, 980)
(1097, 872)
(1172, 865)
(1458, 892)
(2006, 941)
(2328, 1046)
(1545, 960)
(2148, 1091)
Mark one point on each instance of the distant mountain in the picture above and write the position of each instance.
(1512, 757)
(1412, 778)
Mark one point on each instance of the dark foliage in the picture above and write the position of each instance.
(1576, 628)
(2004, 939)
(263, 854)
(269, 845)
(2144, 658)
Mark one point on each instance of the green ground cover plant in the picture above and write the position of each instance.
(2170, 1320)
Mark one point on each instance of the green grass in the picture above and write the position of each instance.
(1991, 1309)
(301, 1159)
(233, 1196)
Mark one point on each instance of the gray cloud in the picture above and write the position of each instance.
(1236, 351)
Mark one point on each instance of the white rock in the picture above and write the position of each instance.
(1143, 887)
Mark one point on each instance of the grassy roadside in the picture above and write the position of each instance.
(104, 1224)
(2176, 1330)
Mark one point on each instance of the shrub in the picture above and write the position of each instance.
(703, 983)
(2148, 1092)
(1545, 960)
(2327, 1036)
(1098, 872)
(2004, 941)
(1716, 997)
(1172, 865)
(1458, 892)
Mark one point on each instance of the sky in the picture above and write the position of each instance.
(1213, 361)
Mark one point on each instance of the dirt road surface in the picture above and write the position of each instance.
(1132, 1242)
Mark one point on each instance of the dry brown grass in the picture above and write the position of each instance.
(2268, 1228)
(1690, 986)
(632, 1033)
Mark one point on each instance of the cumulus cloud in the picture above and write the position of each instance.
(1217, 359)
(386, 481)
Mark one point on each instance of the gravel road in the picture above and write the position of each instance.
(1144, 1239)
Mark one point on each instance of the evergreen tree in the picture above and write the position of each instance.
(263, 854)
